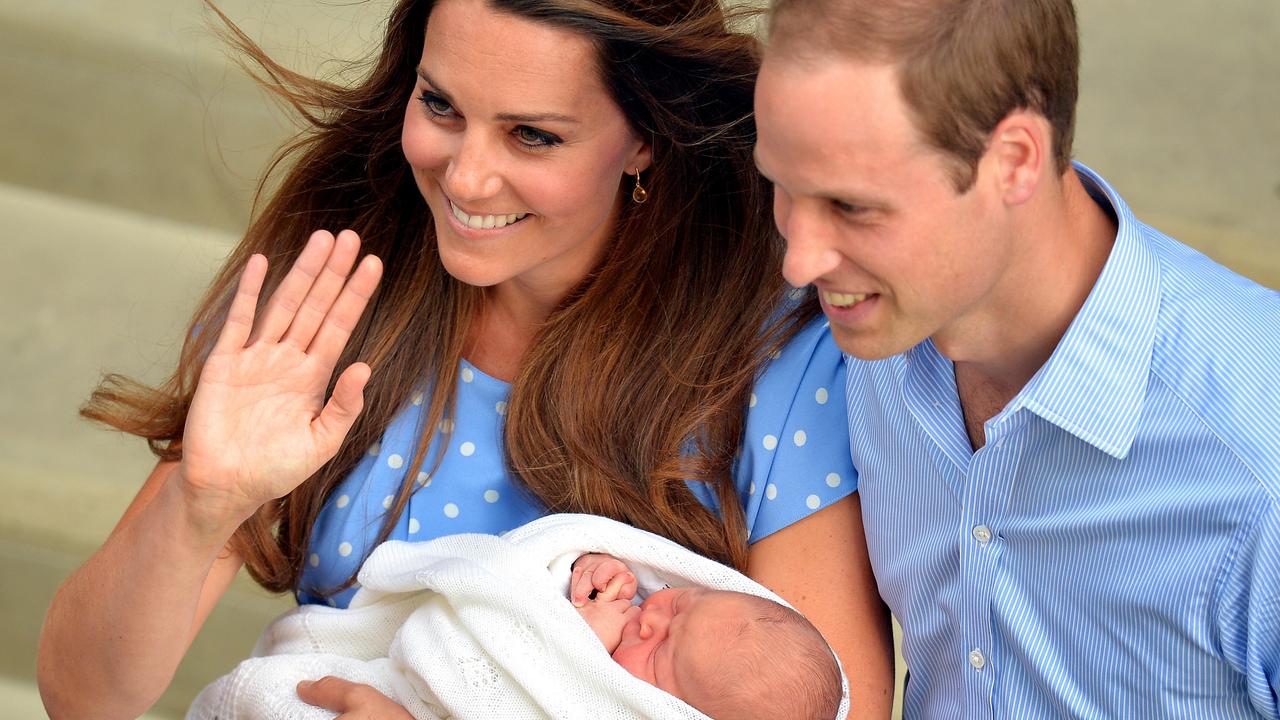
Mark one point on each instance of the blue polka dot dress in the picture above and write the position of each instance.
(794, 461)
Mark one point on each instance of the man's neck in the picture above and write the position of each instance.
(1067, 239)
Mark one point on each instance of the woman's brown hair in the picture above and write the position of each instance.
(638, 380)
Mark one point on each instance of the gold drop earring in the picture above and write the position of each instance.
(639, 194)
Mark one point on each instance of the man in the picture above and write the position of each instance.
(1065, 423)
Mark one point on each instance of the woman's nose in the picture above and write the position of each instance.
(474, 171)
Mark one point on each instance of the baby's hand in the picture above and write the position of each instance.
(607, 619)
(604, 575)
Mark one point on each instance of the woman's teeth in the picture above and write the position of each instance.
(842, 299)
(485, 222)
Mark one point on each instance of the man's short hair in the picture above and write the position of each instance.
(963, 65)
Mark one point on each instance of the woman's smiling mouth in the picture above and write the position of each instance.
(484, 222)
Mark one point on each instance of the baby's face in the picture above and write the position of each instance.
(674, 632)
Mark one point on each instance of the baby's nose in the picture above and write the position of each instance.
(653, 622)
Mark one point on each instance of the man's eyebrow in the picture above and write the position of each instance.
(505, 117)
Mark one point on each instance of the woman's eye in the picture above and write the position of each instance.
(535, 138)
(436, 105)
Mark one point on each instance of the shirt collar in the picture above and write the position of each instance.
(1094, 383)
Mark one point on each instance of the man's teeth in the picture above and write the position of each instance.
(843, 299)
(485, 222)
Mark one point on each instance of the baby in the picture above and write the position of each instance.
(437, 629)
(727, 654)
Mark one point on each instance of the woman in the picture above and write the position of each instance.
(586, 316)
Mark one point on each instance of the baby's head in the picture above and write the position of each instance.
(732, 655)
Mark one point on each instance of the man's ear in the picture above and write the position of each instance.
(1019, 150)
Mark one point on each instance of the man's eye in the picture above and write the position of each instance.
(848, 208)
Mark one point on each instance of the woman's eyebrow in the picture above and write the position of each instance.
(540, 117)
(435, 86)
(505, 117)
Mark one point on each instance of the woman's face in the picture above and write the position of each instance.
(517, 148)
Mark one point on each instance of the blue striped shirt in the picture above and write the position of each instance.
(1113, 551)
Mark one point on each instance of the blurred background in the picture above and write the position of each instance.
(132, 146)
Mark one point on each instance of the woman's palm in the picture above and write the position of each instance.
(258, 423)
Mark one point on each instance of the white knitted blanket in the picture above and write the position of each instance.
(472, 626)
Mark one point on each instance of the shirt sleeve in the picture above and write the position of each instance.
(1264, 620)
(1249, 612)
(795, 456)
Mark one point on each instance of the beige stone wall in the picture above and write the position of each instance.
(131, 151)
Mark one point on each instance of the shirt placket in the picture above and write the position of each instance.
(987, 483)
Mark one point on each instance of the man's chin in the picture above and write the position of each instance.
(867, 346)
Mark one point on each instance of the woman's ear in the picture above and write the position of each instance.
(641, 159)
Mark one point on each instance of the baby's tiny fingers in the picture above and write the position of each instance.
(610, 592)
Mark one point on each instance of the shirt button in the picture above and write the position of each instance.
(977, 659)
(982, 534)
(1000, 444)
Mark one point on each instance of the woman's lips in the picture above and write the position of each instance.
(484, 222)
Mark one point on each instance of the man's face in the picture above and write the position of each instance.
(869, 211)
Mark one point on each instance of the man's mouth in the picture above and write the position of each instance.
(842, 300)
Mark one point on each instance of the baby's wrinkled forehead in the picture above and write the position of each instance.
(723, 618)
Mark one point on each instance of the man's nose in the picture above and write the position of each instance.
(810, 250)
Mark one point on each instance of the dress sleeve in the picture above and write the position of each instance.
(795, 451)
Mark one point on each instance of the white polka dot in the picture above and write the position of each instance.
(417, 398)
(501, 407)
(314, 560)
(344, 549)
(770, 442)
(424, 479)
(467, 375)
(813, 501)
(752, 489)
(775, 354)
(771, 491)
(395, 461)
(332, 602)
(375, 448)
(753, 401)
(414, 526)
(451, 510)
(467, 449)
(797, 293)
(388, 501)
(833, 480)
(491, 496)
(342, 501)
(822, 396)
(800, 438)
